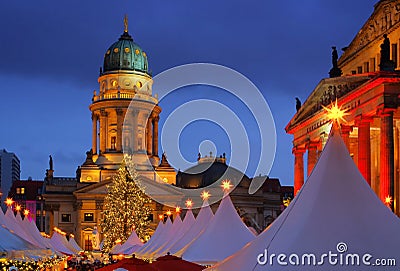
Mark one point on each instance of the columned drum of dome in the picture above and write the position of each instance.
(124, 81)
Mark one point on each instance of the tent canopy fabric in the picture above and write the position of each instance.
(173, 232)
(225, 235)
(203, 218)
(335, 211)
(60, 244)
(161, 228)
(187, 223)
(74, 245)
(132, 244)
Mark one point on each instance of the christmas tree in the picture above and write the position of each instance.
(125, 208)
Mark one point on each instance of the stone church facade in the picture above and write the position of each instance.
(75, 205)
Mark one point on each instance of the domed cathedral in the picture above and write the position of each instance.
(125, 93)
(365, 82)
(125, 116)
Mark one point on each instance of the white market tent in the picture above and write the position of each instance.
(203, 218)
(60, 244)
(16, 247)
(174, 231)
(132, 244)
(11, 222)
(187, 224)
(335, 211)
(223, 236)
(156, 235)
(29, 227)
(74, 245)
(169, 227)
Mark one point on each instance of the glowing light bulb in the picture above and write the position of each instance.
(18, 207)
(9, 201)
(26, 212)
(189, 203)
(205, 195)
(161, 217)
(177, 209)
(226, 185)
(169, 213)
(335, 113)
(388, 200)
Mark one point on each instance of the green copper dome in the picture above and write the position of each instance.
(125, 55)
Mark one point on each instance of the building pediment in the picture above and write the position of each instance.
(384, 19)
(326, 92)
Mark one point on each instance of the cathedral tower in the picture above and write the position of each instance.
(125, 89)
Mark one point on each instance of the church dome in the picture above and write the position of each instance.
(207, 173)
(125, 54)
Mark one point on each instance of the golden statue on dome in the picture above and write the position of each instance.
(126, 23)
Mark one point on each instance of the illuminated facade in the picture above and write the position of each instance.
(75, 205)
(369, 90)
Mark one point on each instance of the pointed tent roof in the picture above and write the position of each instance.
(187, 224)
(225, 235)
(29, 227)
(174, 231)
(161, 228)
(132, 244)
(203, 218)
(60, 244)
(168, 232)
(10, 241)
(335, 206)
(13, 224)
(74, 244)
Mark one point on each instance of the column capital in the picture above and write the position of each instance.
(94, 116)
(385, 112)
(103, 113)
(346, 129)
(312, 144)
(362, 120)
(298, 150)
(119, 111)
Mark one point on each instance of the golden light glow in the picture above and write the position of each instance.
(26, 212)
(205, 195)
(226, 185)
(161, 217)
(71, 235)
(177, 209)
(388, 200)
(335, 113)
(9, 201)
(189, 203)
(169, 213)
(18, 207)
(118, 241)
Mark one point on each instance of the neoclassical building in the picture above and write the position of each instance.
(365, 81)
(125, 117)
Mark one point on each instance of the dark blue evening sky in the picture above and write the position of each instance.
(51, 52)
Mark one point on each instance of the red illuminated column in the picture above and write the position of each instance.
(346, 130)
(298, 168)
(312, 156)
(386, 155)
(364, 148)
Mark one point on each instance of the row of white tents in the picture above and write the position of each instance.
(21, 239)
(335, 213)
(206, 239)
